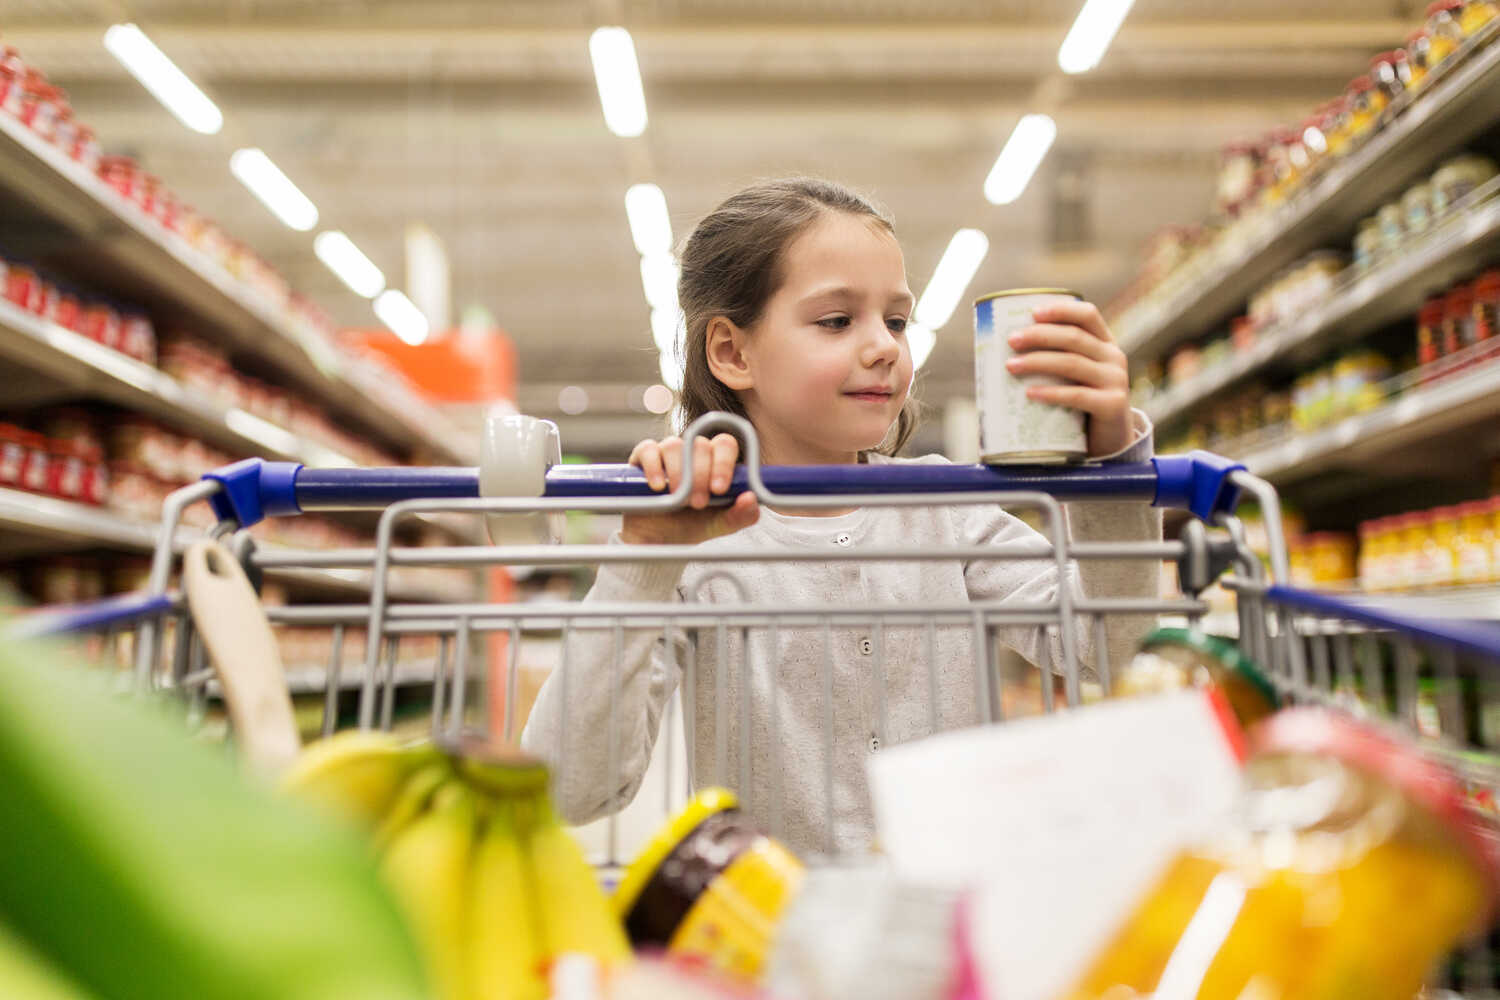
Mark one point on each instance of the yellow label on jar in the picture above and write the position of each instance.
(734, 922)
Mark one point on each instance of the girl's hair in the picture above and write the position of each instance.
(732, 265)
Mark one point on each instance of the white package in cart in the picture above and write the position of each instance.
(1057, 824)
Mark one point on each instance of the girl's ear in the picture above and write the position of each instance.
(725, 347)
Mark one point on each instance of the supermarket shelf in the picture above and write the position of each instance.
(1448, 114)
(49, 520)
(40, 178)
(1395, 288)
(82, 364)
(1461, 400)
(1479, 603)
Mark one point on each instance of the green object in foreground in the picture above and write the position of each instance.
(24, 976)
(146, 866)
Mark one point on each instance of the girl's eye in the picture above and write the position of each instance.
(897, 324)
(834, 322)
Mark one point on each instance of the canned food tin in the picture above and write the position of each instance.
(1013, 428)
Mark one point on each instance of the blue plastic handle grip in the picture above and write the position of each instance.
(1480, 638)
(1198, 482)
(126, 609)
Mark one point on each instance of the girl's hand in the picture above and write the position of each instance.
(713, 465)
(1071, 341)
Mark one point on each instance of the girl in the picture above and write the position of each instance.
(796, 305)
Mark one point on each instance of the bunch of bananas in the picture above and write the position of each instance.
(493, 886)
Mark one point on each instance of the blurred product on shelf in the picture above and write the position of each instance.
(1258, 176)
(1447, 546)
(128, 331)
(1352, 866)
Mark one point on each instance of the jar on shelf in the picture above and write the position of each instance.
(120, 173)
(1418, 58)
(1367, 245)
(1430, 331)
(1332, 558)
(1492, 507)
(1457, 179)
(1476, 14)
(1416, 529)
(1458, 319)
(1444, 33)
(12, 75)
(1337, 125)
(1416, 208)
(1392, 224)
(1237, 164)
(1350, 866)
(1442, 567)
(1473, 544)
(35, 467)
(1365, 104)
(1389, 71)
(12, 455)
(1487, 312)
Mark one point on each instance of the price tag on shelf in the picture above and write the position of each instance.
(1058, 824)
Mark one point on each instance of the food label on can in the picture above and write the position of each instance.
(1014, 428)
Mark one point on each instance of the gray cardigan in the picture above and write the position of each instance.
(783, 769)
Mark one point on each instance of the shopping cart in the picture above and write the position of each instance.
(1314, 647)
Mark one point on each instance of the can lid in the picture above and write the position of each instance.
(703, 805)
(1027, 291)
(1224, 650)
(1380, 752)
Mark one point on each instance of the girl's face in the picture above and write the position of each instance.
(827, 364)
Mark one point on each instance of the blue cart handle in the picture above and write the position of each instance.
(1200, 482)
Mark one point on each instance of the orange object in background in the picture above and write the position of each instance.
(460, 367)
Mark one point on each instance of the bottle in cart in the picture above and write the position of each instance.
(1350, 869)
(1175, 659)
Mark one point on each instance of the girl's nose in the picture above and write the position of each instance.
(881, 346)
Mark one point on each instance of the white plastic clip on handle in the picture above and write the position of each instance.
(515, 454)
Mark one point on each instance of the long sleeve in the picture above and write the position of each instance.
(1036, 581)
(570, 724)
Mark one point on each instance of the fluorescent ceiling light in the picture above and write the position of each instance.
(402, 315)
(1022, 154)
(957, 268)
(618, 76)
(650, 225)
(666, 326)
(921, 340)
(659, 274)
(160, 75)
(353, 268)
(274, 188)
(1091, 34)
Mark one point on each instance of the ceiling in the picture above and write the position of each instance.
(481, 120)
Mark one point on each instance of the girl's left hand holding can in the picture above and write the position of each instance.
(713, 461)
(1071, 341)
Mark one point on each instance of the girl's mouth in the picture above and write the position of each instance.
(870, 397)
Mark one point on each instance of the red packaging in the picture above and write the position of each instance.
(148, 191)
(51, 295)
(66, 469)
(85, 149)
(120, 173)
(138, 338)
(101, 323)
(39, 104)
(24, 287)
(65, 132)
(12, 455)
(12, 75)
(36, 462)
(1458, 319)
(68, 312)
(1487, 311)
(96, 476)
(1430, 331)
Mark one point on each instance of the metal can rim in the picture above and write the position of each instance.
(1027, 291)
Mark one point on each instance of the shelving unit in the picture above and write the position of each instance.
(1448, 113)
(47, 522)
(110, 239)
(1394, 288)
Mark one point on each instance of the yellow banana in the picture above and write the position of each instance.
(576, 916)
(428, 864)
(355, 773)
(505, 956)
(412, 800)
